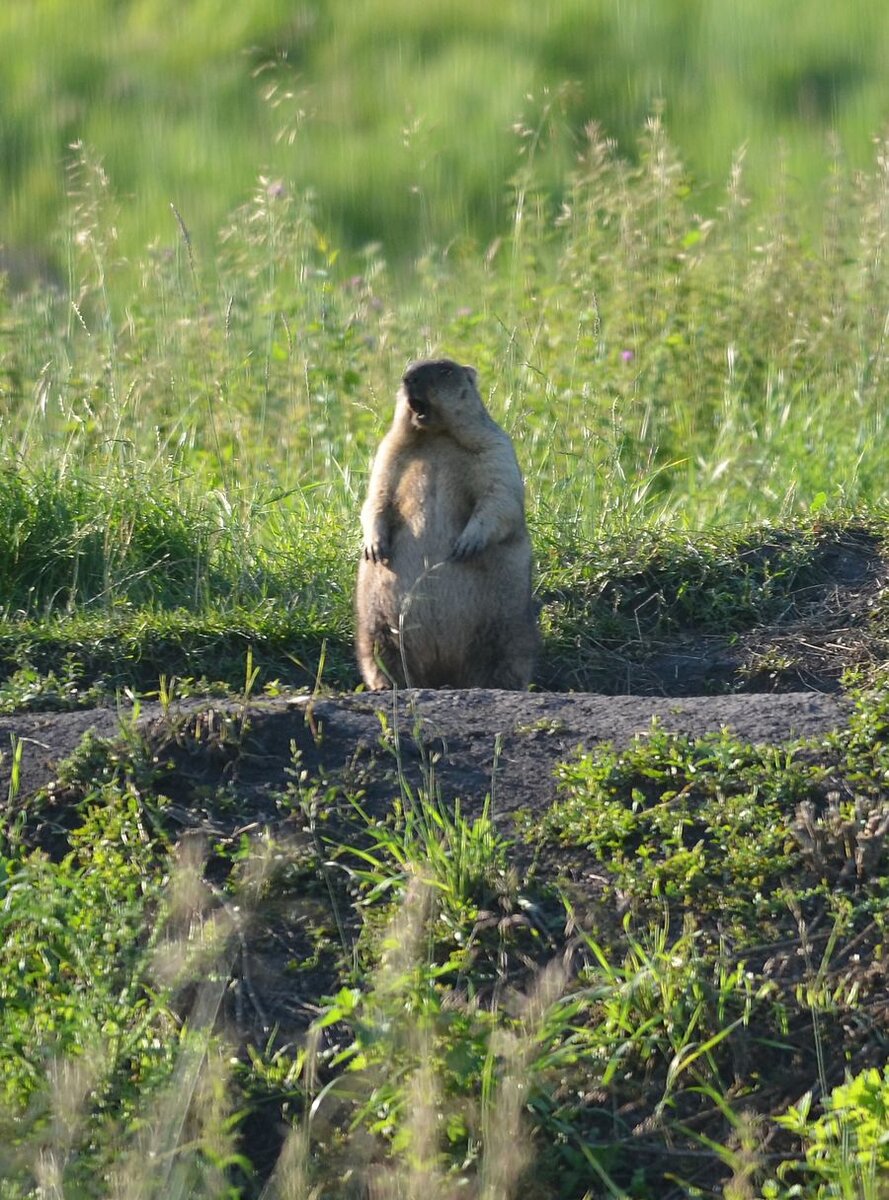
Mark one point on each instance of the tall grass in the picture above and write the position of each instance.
(200, 443)
(650, 363)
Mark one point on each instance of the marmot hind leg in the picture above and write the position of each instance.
(504, 657)
(379, 659)
(513, 672)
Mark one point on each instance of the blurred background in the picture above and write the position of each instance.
(409, 121)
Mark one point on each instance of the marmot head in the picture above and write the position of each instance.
(439, 394)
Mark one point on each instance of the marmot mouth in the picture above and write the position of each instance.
(418, 406)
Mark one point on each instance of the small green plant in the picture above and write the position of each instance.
(846, 1147)
(26, 689)
(699, 823)
(463, 859)
(73, 970)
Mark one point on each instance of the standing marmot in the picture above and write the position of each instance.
(444, 586)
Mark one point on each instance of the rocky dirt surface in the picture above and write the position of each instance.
(474, 740)
(226, 768)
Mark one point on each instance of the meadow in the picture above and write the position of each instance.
(694, 378)
(184, 461)
(405, 120)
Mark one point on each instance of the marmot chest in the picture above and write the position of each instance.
(437, 489)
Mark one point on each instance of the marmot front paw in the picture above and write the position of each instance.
(377, 551)
(467, 545)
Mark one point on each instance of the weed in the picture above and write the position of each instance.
(699, 823)
(845, 1147)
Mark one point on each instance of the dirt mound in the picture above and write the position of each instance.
(226, 769)
(777, 615)
(476, 740)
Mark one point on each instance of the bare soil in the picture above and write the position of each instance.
(479, 741)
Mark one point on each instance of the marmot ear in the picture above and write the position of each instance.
(473, 375)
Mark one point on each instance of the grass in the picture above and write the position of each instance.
(688, 818)
(651, 334)
(313, 998)
(199, 445)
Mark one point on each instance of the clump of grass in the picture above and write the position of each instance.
(715, 581)
(73, 542)
(845, 1147)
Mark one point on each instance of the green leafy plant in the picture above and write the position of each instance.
(701, 823)
(846, 1146)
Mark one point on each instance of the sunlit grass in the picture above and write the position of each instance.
(202, 442)
(651, 365)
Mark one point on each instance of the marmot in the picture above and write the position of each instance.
(444, 584)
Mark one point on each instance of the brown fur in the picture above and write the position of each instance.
(444, 585)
